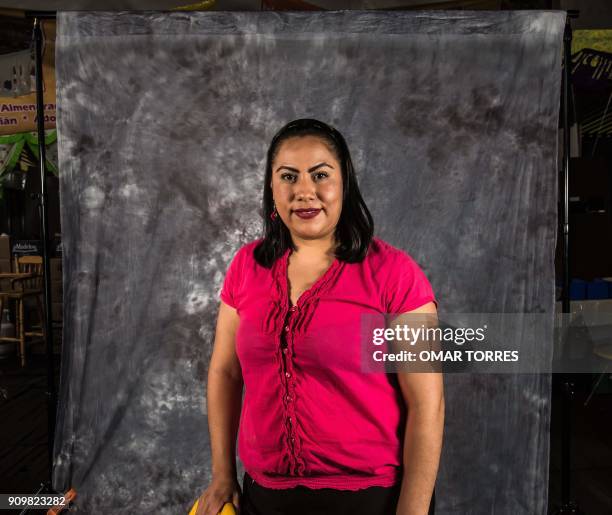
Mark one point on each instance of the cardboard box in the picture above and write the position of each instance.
(5, 266)
(56, 311)
(5, 246)
(55, 268)
(56, 291)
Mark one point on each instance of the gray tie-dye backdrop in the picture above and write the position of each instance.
(164, 120)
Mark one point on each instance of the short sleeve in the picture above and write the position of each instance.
(407, 286)
(232, 281)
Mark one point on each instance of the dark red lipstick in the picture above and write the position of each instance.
(307, 212)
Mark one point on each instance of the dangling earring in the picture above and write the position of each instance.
(274, 213)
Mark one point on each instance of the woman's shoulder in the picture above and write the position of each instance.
(246, 250)
(249, 247)
(405, 285)
(241, 257)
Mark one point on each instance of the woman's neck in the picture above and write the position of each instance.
(316, 248)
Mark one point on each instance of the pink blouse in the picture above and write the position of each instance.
(310, 416)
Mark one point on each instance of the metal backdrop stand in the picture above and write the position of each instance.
(568, 506)
(44, 231)
(46, 487)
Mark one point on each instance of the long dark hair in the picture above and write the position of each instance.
(355, 227)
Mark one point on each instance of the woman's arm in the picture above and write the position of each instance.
(224, 402)
(224, 393)
(424, 397)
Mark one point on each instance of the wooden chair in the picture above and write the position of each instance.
(25, 283)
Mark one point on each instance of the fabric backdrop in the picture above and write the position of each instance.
(164, 120)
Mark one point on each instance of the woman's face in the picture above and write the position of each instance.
(307, 187)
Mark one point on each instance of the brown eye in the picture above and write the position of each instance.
(321, 175)
(290, 177)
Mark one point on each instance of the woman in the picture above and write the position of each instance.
(318, 435)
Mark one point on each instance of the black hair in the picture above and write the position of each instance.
(355, 227)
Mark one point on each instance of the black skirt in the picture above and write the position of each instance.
(300, 500)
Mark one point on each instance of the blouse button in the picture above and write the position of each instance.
(287, 374)
(288, 397)
(293, 308)
(286, 328)
(285, 350)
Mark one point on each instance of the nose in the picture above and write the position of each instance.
(304, 188)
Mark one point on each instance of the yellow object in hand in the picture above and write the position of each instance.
(228, 509)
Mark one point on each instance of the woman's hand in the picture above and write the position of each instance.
(221, 489)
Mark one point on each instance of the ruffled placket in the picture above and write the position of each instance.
(286, 323)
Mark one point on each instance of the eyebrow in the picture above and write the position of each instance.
(309, 170)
